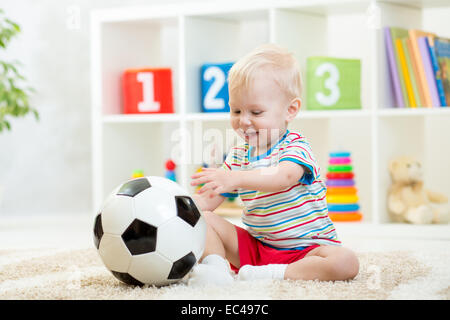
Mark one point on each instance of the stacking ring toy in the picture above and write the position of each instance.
(343, 207)
(340, 175)
(348, 216)
(340, 182)
(341, 190)
(342, 194)
(340, 168)
(340, 161)
(342, 198)
(339, 154)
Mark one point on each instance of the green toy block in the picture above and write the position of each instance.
(333, 83)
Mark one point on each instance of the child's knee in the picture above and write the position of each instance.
(347, 267)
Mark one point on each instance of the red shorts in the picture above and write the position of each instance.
(255, 253)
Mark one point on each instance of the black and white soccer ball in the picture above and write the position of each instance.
(149, 231)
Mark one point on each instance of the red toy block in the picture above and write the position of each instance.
(147, 90)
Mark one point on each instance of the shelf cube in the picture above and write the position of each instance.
(147, 90)
(215, 87)
(333, 83)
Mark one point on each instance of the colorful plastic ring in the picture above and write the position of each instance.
(342, 199)
(343, 207)
(340, 182)
(340, 160)
(340, 175)
(339, 154)
(341, 190)
(340, 168)
(350, 216)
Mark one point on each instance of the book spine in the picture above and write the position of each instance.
(420, 68)
(404, 67)
(411, 75)
(426, 60)
(421, 99)
(443, 56)
(399, 72)
(437, 75)
(393, 69)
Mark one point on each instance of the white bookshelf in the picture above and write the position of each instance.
(184, 36)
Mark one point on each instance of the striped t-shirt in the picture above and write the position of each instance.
(293, 218)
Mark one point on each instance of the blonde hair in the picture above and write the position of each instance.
(277, 61)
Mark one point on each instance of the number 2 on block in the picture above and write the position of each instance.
(148, 103)
(211, 101)
(331, 83)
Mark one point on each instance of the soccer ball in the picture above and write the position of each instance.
(149, 231)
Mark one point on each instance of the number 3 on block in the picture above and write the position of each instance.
(331, 83)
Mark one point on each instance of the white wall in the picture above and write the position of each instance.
(45, 166)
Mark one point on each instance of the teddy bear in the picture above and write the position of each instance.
(408, 200)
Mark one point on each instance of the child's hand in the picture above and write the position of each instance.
(216, 180)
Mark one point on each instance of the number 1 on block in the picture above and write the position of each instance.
(148, 103)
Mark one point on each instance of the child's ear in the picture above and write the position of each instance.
(293, 109)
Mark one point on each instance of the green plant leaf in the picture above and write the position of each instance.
(14, 93)
(36, 114)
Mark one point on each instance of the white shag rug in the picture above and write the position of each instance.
(80, 274)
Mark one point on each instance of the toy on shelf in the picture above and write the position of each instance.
(333, 83)
(215, 87)
(138, 173)
(409, 200)
(170, 170)
(342, 195)
(147, 90)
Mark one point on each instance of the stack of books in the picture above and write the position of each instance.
(419, 67)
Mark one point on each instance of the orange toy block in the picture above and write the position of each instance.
(147, 90)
